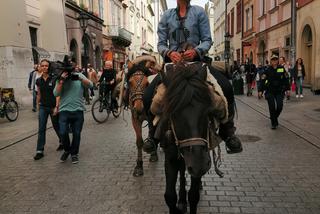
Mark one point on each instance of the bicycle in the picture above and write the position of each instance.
(8, 106)
(102, 107)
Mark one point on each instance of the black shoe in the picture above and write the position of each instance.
(149, 145)
(75, 159)
(273, 127)
(233, 145)
(34, 110)
(38, 156)
(60, 147)
(64, 156)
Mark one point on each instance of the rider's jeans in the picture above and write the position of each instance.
(44, 113)
(75, 120)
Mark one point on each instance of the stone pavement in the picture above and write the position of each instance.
(301, 116)
(278, 172)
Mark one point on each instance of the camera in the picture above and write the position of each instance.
(56, 68)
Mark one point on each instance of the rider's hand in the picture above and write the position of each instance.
(189, 55)
(64, 76)
(175, 56)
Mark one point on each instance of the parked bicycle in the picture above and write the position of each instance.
(8, 106)
(103, 106)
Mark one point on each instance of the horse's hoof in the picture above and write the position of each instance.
(233, 145)
(153, 157)
(182, 207)
(149, 146)
(138, 171)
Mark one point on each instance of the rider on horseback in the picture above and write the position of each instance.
(184, 26)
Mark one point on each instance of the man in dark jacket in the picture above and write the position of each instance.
(274, 83)
(109, 76)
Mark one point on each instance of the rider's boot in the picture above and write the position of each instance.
(150, 142)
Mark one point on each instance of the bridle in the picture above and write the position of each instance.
(194, 141)
(137, 92)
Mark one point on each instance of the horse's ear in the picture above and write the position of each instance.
(130, 65)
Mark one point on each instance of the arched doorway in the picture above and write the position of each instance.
(74, 51)
(262, 53)
(306, 52)
(98, 58)
(85, 50)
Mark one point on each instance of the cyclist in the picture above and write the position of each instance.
(109, 76)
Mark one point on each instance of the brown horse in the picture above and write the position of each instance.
(138, 81)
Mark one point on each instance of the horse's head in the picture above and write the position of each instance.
(187, 105)
(138, 81)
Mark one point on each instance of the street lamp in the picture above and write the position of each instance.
(83, 20)
(227, 50)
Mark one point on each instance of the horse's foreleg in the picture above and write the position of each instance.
(182, 203)
(171, 171)
(138, 171)
(194, 194)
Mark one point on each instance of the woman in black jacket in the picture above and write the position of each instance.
(299, 74)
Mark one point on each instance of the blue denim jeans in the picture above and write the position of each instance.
(44, 113)
(299, 82)
(34, 99)
(74, 119)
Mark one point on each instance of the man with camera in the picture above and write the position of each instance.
(70, 87)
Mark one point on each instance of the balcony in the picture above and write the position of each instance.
(119, 35)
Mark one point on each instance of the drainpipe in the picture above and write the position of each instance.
(293, 31)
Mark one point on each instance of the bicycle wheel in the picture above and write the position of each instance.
(11, 110)
(117, 111)
(99, 111)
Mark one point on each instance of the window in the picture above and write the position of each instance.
(262, 9)
(232, 22)
(33, 36)
(247, 19)
(273, 4)
(239, 16)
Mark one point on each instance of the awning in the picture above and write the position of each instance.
(41, 52)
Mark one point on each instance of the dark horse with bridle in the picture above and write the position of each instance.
(187, 109)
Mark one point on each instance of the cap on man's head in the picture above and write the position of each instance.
(274, 57)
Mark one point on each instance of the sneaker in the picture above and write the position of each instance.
(60, 147)
(75, 159)
(34, 110)
(301, 96)
(38, 156)
(64, 157)
(297, 96)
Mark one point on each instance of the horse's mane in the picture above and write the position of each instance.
(187, 82)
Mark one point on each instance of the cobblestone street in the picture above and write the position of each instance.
(278, 172)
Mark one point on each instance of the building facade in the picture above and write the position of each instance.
(84, 47)
(210, 13)
(273, 29)
(249, 31)
(116, 36)
(34, 30)
(219, 29)
(234, 22)
(308, 40)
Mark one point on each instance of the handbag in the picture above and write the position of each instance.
(293, 86)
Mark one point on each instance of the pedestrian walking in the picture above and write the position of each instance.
(71, 111)
(34, 104)
(275, 83)
(35, 75)
(48, 105)
(250, 70)
(299, 74)
(92, 76)
(282, 61)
